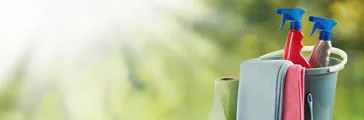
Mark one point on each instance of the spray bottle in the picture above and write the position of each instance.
(321, 51)
(292, 50)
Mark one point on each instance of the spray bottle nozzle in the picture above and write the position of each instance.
(292, 14)
(325, 24)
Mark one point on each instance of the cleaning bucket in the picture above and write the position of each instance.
(320, 82)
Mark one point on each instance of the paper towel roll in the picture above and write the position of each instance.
(225, 101)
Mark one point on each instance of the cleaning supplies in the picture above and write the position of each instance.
(224, 106)
(261, 89)
(293, 97)
(292, 50)
(321, 52)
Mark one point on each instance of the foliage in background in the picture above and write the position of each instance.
(174, 80)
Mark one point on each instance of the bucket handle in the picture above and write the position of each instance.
(333, 50)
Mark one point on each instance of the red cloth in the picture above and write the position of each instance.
(293, 93)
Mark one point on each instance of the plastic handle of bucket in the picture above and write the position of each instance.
(333, 50)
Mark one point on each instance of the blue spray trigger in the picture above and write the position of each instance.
(324, 24)
(292, 14)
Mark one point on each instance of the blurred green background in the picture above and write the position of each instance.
(165, 68)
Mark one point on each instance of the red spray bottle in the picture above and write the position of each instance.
(292, 50)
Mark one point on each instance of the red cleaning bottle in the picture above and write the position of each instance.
(292, 50)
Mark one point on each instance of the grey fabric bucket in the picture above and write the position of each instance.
(320, 82)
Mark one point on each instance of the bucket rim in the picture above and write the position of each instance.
(312, 71)
(334, 50)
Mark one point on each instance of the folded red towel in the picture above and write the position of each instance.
(293, 94)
